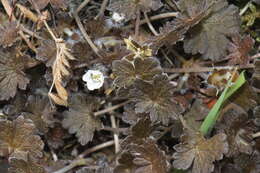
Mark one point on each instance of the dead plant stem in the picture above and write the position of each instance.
(101, 112)
(157, 17)
(150, 25)
(137, 22)
(205, 69)
(102, 9)
(256, 135)
(96, 148)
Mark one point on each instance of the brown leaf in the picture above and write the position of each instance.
(145, 158)
(80, 119)
(245, 97)
(11, 74)
(130, 8)
(55, 137)
(17, 139)
(149, 158)
(22, 166)
(139, 133)
(200, 152)
(192, 12)
(126, 164)
(9, 33)
(239, 49)
(239, 131)
(209, 37)
(127, 72)
(129, 115)
(47, 52)
(155, 98)
(40, 112)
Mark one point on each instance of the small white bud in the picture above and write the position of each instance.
(118, 17)
(94, 79)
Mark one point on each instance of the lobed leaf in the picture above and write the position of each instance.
(17, 139)
(80, 118)
(9, 33)
(209, 37)
(11, 74)
(22, 166)
(155, 98)
(200, 153)
(126, 72)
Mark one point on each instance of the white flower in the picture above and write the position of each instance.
(118, 17)
(94, 79)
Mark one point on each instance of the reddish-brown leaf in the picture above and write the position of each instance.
(239, 49)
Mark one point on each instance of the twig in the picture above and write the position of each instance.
(29, 44)
(137, 22)
(79, 161)
(82, 5)
(157, 17)
(31, 33)
(256, 135)
(102, 9)
(98, 113)
(166, 57)
(115, 130)
(96, 148)
(150, 25)
(116, 138)
(205, 69)
(86, 36)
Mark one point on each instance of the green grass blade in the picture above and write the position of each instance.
(212, 116)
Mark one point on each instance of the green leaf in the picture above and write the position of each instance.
(212, 116)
